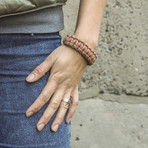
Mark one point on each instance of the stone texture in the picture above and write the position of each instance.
(122, 64)
(103, 124)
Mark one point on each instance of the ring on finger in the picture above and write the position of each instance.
(67, 100)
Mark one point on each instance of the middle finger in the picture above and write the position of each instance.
(42, 98)
(51, 108)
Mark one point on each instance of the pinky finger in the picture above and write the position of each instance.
(74, 104)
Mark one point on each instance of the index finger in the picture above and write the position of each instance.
(42, 98)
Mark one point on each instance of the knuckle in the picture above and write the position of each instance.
(36, 108)
(45, 97)
(65, 105)
(68, 80)
(75, 103)
(54, 104)
(46, 117)
(58, 79)
(39, 70)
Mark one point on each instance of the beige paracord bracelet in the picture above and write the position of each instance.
(75, 43)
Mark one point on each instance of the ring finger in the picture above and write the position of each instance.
(61, 112)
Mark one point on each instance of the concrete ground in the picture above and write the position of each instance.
(106, 123)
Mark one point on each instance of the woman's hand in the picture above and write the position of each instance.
(67, 67)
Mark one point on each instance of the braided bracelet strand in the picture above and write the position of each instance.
(75, 43)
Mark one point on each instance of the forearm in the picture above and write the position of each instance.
(89, 21)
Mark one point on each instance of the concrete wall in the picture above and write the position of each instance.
(113, 109)
(121, 67)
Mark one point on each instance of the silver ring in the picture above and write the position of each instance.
(67, 100)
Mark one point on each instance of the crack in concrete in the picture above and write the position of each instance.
(120, 99)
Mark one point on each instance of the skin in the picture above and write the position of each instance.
(67, 68)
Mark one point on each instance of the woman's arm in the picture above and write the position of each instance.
(67, 67)
(89, 21)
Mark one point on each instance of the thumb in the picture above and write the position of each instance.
(41, 69)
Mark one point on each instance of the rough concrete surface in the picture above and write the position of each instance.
(104, 124)
(113, 93)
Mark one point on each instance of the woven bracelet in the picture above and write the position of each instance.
(73, 42)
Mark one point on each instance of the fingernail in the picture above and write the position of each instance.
(55, 127)
(28, 114)
(40, 127)
(30, 77)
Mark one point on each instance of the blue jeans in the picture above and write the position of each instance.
(19, 55)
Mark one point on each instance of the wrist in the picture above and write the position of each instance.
(81, 47)
(88, 40)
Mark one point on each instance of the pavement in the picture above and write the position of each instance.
(102, 122)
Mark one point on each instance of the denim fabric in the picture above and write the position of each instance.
(19, 55)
